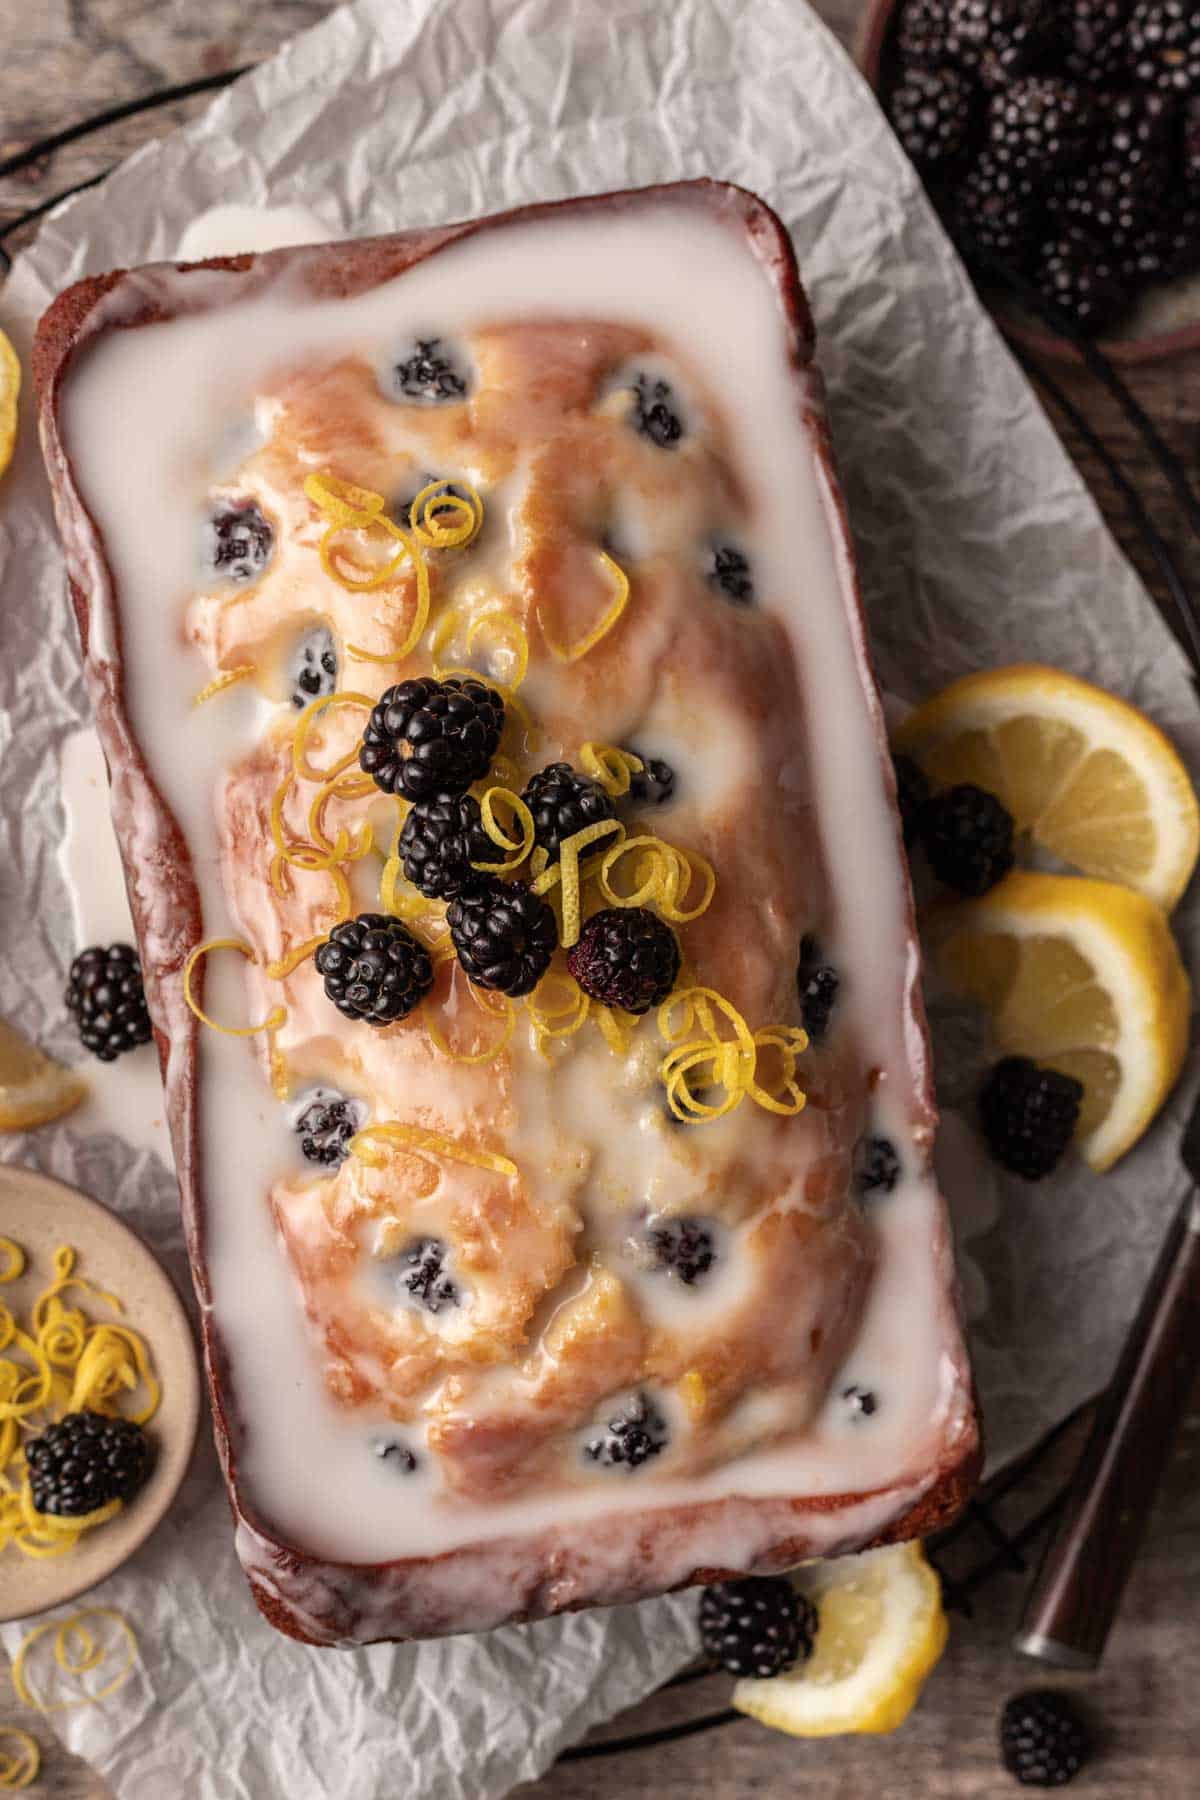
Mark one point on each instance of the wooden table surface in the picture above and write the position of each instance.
(62, 60)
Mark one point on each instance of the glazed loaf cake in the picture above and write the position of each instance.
(474, 639)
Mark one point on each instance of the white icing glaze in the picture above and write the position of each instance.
(166, 395)
(231, 230)
(125, 1096)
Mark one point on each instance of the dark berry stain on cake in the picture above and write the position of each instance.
(325, 1124)
(630, 1438)
(106, 998)
(818, 983)
(314, 668)
(427, 738)
(429, 374)
(395, 1456)
(422, 1273)
(654, 413)
(876, 1165)
(240, 540)
(860, 1402)
(654, 783)
(374, 969)
(682, 1247)
(729, 571)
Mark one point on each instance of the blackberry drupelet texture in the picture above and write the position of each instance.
(240, 540)
(1040, 125)
(631, 1437)
(654, 783)
(932, 112)
(923, 33)
(314, 667)
(818, 983)
(503, 935)
(326, 1125)
(654, 413)
(998, 211)
(440, 841)
(1028, 1115)
(562, 802)
(1043, 1740)
(429, 375)
(1000, 40)
(1077, 273)
(427, 738)
(106, 997)
(876, 1165)
(374, 969)
(730, 572)
(85, 1461)
(967, 836)
(1164, 45)
(625, 957)
(758, 1627)
(1096, 50)
(423, 1274)
(682, 1247)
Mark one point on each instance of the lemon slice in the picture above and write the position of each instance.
(1090, 778)
(881, 1628)
(1083, 976)
(10, 387)
(33, 1088)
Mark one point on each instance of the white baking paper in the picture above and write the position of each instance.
(978, 544)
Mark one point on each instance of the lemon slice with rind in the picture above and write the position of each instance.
(33, 1088)
(881, 1629)
(10, 388)
(1086, 775)
(1083, 976)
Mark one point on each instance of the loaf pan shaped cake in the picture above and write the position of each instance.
(516, 1303)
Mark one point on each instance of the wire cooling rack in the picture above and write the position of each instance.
(980, 1545)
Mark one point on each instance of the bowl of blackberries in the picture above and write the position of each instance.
(1060, 142)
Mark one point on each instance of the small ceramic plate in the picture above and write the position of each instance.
(40, 1214)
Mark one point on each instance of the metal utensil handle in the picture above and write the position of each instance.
(1078, 1587)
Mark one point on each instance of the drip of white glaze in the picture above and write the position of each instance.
(167, 390)
(233, 230)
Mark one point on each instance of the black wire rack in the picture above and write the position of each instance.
(979, 1546)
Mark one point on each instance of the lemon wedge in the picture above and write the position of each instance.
(33, 1088)
(1082, 976)
(881, 1629)
(1086, 775)
(10, 387)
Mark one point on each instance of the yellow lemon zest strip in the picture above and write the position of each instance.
(617, 1027)
(561, 1018)
(507, 1012)
(308, 718)
(611, 767)
(369, 579)
(90, 1655)
(365, 1145)
(342, 502)
(504, 625)
(18, 1769)
(14, 1260)
(568, 856)
(275, 1018)
(732, 1065)
(291, 959)
(226, 679)
(430, 525)
(518, 848)
(570, 653)
(687, 862)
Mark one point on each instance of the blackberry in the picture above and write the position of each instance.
(968, 838)
(396, 1455)
(932, 112)
(818, 983)
(998, 211)
(1168, 247)
(923, 34)
(563, 802)
(682, 1247)
(631, 1437)
(730, 572)
(85, 1461)
(1043, 1740)
(758, 1627)
(325, 1124)
(440, 841)
(1121, 190)
(861, 1403)
(423, 1274)
(1095, 39)
(428, 375)
(625, 957)
(912, 792)
(1083, 279)
(654, 783)
(876, 1165)
(1164, 45)
(107, 999)
(240, 540)
(374, 969)
(653, 412)
(1001, 40)
(503, 934)
(1040, 125)
(314, 667)
(1028, 1115)
(427, 738)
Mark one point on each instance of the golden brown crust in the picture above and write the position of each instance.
(343, 269)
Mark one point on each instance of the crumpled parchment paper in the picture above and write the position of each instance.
(978, 544)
